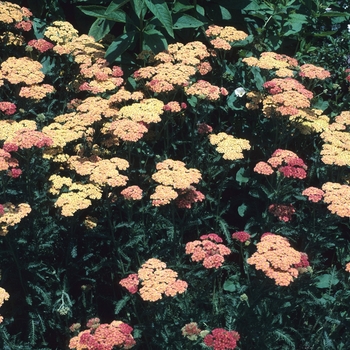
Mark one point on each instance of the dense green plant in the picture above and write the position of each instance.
(73, 231)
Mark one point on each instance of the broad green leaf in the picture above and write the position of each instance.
(154, 41)
(229, 286)
(240, 178)
(225, 14)
(321, 104)
(139, 6)
(326, 281)
(119, 46)
(115, 5)
(100, 28)
(182, 6)
(93, 10)
(187, 21)
(161, 11)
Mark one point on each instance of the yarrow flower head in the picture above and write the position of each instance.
(337, 197)
(276, 258)
(3, 296)
(12, 215)
(206, 91)
(155, 280)
(314, 194)
(209, 250)
(232, 148)
(221, 339)
(191, 331)
(132, 193)
(282, 212)
(8, 108)
(104, 337)
(313, 72)
(285, 162)
(188, 196)
(241, 236)
(204, 128)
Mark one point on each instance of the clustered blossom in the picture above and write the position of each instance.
(285, 162)
(347, 267)
(3, 297)
(206, 91)
(222, 37)
(304, 263)
(191, 331)
(204, 128)
(61, 32)
(209, 250)
(41, 45)
(241, 236)
(186, 197)
(156, 280)
(104, 337)
(174, 179)
(336, 147)
(29, 138)
(313, 72)
(232, 148)
(276, 258)
(132, 193)
(221, 339)
(12, 215)
(288, 97)
(12, 13)
(337, 197)
(310, 120)
(282, 212)
(36, 92)
(7, 108)
(9, 38)
(8, 163)
(314, 194)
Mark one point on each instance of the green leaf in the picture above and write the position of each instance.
(139, 6)
(187, 21)
(100, 28)
(182, 7)
(240, 178)
(154, 41)
(230, 284)
(93, 10)
(321, 104)
(121, 304)
(330, 32)
(335, 14)
(326, 281)
(242, 209)
(119, 46)
(161, 11)
(225, 14)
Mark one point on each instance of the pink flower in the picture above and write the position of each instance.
(131, 283)
(241, 236)
(283, 212)
(41, 45)
(10, 147)
(2, 211)
(221, 339)
(204, 128)
(7, 108)
(24, 25)
(14, 172)
(314, 194)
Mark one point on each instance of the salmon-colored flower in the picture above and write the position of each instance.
(132, 193)
(191, 330)
(283, 212)
(314, 194)
(221, 339)
(241, 236)
(3, 296)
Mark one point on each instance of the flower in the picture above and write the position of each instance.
(3, 296)
(313, 72)
(232, 148)
(12, 215)
(156, 280)
(241, 236)
(132, 193)
(61, 32)
(276, 258)
(314, 194)
(191, 330)
(337, 197)
(205, 91)
(131, 283)
(41, 45)
(188, 196)
(209, 250)
(239, 92)
(104, 337)
(263, 168)
(8, 108)
(221, 339)
(283, 212)
(204, 128)
(36, 92)
(347, 267)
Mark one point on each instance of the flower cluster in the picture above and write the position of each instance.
(25, 138)
(285, 162)
(221, 339)
(101, 172)
(173, 176)
(276, 258)
(204, 128)
(156, 280)
(7, 162)
(36, 92)
(12, 13)
(12, 215)
(104, 337)
(310, 120)
(282, 211)
(3, 296)
(241, 236)
(132, 193)
(223, 37)
(314, 194)
(206, 91)
(337, 197)
(232, 148)
(41, 45)
(61, 32)
(313, 72)
(78, 196)
(191, 331)
(8, 108)
(336, 149)
(188, 196)
(209, 250)
(304, 263)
